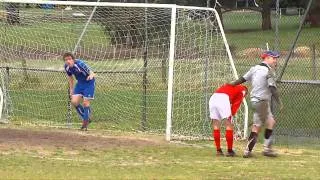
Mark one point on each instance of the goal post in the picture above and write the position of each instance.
(170, 74)
(156, 64)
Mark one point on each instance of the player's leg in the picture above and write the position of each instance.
(88, 95)
(252, 140)
(268, 132)
(224, 110)
(80, 109)
(229, 137)
(215, 122)
(86, 114)
(219, 108)
(259, 117)
(75, 101)
(268, 136)
(216, 136)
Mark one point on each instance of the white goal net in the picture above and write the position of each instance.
(156, 65)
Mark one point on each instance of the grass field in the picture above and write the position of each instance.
(243, 30)
(44, 154)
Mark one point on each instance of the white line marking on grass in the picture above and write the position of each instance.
(134, 163)
(201, 162)
(65, 159)
(192, 145)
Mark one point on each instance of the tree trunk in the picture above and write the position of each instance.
(266, 15)
(314, 15)
(229, 4)
(12, 13)
(218, 8)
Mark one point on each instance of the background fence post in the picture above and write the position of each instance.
(314, 62)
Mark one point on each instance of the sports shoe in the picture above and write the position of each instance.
(269, 153)
(247, 154)
(84, 126)
(219, 153)
(231, 153)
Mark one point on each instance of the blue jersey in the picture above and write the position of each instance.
(80, 71)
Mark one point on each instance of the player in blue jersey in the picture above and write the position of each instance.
(84, 88)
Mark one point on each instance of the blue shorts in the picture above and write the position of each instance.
(85, 89)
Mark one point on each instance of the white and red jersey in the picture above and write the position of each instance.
(235, 93)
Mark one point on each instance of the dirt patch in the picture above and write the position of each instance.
(251, 53)
(21, 138)
(302, 51)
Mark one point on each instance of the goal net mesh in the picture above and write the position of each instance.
(128, 47)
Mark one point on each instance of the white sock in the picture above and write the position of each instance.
(267, 143)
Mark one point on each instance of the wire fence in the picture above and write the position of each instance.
(299, 64)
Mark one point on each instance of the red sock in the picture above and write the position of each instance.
(216, 137)
(229, 138)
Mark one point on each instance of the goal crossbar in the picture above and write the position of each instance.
(109, 4)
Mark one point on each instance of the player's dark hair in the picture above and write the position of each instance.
(68, 54)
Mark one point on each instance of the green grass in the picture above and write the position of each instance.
(258, 39)
(298, 68)
(42, 99)
(59, 36)
(23, 167)
(243, 30)
(300, 111)
(160, 161)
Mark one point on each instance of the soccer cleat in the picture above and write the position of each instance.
(231, 153)
(84, 126)
(269, 153)
(247, 154)
(219, 153)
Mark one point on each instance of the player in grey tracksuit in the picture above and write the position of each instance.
(263, 85)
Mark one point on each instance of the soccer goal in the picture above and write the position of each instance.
(156, 64)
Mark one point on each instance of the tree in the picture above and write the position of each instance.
(314, 14)
(229, 4)
(264, 8)
(13, 16)
(266, 14)
(129, 26)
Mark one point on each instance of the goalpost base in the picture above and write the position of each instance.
(4, 121)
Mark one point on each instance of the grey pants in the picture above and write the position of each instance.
(262, 112)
